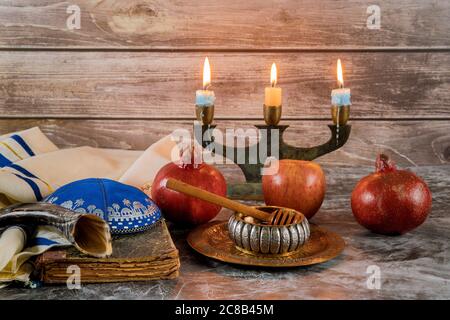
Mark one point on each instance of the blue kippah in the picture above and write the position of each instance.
(125, 208)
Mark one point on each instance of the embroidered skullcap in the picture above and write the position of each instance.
(125, 208)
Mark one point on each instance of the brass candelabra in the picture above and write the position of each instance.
(268, 134)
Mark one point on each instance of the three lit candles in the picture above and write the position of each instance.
(340, 98)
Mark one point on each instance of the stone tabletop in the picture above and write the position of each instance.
(412, 266)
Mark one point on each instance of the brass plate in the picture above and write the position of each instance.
(212, 240)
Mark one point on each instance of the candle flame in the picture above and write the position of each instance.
(206, 74)
(340, 75)
(273, 75)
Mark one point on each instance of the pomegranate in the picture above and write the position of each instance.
(181, 208)
(391, 201)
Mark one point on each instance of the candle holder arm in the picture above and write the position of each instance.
(339, 136)
(252, 171)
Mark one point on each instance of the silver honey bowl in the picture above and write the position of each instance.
(259, 238)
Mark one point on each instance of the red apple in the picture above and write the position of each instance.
(180, 208)
(298, 185)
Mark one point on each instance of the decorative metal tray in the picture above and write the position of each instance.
(212, 240)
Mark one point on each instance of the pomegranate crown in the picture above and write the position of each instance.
(190, 157)
(384, 164)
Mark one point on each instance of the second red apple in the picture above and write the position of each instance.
(298, 185)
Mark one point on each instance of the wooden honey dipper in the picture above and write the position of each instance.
(279, 217)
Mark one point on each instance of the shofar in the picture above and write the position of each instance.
(87, 232)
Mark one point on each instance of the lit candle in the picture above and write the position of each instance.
(341, 96)
(273, 93)
(340, 99)
(205, 97)
(272, 100)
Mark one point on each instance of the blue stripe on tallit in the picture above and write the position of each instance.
(38, 241)
(23, 144)
(22, 170)
(33, 185)
(4, 161)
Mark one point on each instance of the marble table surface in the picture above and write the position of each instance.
(413, 266)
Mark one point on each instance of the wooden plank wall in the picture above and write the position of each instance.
(128, 76)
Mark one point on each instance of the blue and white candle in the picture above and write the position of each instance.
(340, 97)
(205, 97)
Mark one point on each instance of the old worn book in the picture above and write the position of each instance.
(149, 255)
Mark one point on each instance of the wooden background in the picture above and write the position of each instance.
(129, 75)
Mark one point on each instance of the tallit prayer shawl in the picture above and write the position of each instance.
(17, 146)
(36, 177)
(17, 267)
(145, 168)
(22, 145)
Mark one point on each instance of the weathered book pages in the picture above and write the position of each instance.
(149, 255)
